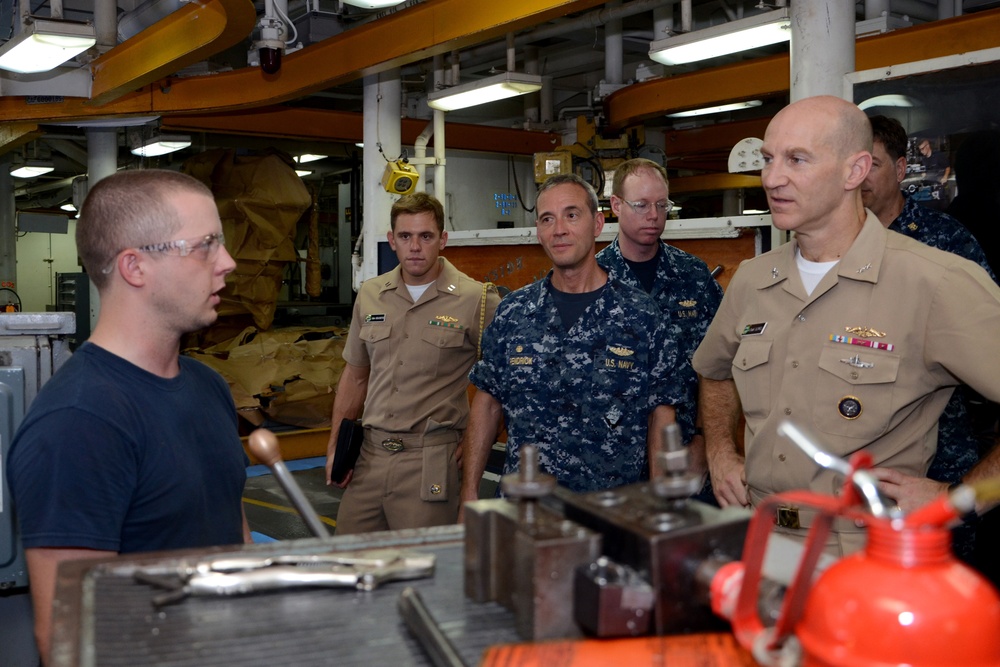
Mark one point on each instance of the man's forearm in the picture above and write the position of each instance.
(477, 441)
(987, 468)
(719, 414)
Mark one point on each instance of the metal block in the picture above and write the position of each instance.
(665, 541)
(611, 600)
(546, 555)
(483, 546)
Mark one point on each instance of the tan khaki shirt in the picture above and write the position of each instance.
(419, 353)
(921, 321)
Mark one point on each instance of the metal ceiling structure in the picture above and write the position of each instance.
(188, 71)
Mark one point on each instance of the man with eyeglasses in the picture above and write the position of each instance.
(131, 447)
(580, 365)
(679, 283)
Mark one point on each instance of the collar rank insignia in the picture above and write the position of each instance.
(865, 332)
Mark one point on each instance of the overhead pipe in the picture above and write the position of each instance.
(613, 50)
(822, 48)
(532, 113)
(590, 20)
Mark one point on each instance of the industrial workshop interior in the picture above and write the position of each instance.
(308, 120)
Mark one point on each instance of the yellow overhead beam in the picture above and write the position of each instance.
(191, 34)
(15, 135)
(407, 36)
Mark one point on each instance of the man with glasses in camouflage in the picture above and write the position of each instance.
(679, 283)
(131, 447)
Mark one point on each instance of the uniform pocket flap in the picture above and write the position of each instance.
(858, 365)
(371, 333)
(443, 336)
(752, 353)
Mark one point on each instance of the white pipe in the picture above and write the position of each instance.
(381, 119)
(663, 22)
(613, 58)
(56, 9)
(686, 13)
(531, 100)
(102, 161)
(822, 48)
(439, 161)
(106, 23)
(876, 8)
(511, 54)
(420, 151)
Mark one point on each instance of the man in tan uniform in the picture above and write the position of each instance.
(855, 333)
(414, 336)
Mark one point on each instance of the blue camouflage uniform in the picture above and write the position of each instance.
(582, 395)
(958, 446)
(685, 290)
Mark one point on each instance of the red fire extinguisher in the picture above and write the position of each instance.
(903, 600)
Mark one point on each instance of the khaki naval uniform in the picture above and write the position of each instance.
(417, 405)
(867, 362)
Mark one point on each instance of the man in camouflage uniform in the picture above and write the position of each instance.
(679, 283)
(958, 446)
(580, 365)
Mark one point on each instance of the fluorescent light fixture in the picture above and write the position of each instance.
(887, 101)
(720, 40)
(309, 157)
(489, 89)
(302, 172)
(735, 106)
(754, 211)
(360, 144)
(160, 144)
(43, 45)
(31, 169)
(68, 207)
(373, 4)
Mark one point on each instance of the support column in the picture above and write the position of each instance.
(8, 226)
(822, 49)
(382, 99)
(102, 161)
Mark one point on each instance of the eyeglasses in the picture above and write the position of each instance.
(204, 247)
(641, 207)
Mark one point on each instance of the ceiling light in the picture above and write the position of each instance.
(373, 4)
(719, 40)
(887, 101)
(489, 89)
(302, 172)
(309, 157)
(68, 207)
(735, 106)
(160, 144)
(43, 45)
(32, 168)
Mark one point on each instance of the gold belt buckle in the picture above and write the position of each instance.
(788, 517)
(392, 445)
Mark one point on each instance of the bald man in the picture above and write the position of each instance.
(855, 333)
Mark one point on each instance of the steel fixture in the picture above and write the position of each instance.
(489, 89)
(43, 45)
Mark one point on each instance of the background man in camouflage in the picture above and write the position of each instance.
(580, 365)
(958, 446)
(679, 283)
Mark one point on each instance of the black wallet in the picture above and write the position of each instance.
(349, 439)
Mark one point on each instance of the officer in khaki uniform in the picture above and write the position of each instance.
(853, 332)
(414, 335)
